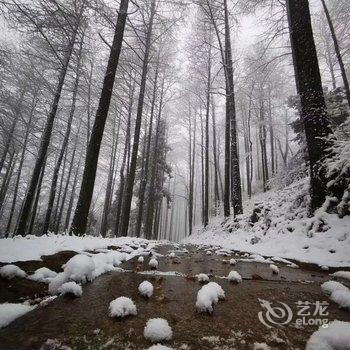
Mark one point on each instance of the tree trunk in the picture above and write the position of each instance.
(87, 187)
(236, 191)
(151, 197)
(309, 87)
(64, 144)
(20, 166)
(144, 179)
(337, 52)
(131, 175)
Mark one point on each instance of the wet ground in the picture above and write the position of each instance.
(83, 323)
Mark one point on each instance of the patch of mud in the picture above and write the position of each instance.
(19, 289)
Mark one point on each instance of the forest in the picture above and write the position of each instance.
(172, 131)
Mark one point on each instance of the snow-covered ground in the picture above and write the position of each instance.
(282, 229)
(33, 247)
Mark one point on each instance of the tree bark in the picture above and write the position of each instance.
(309, 88)
(87, 187)
(131, 174)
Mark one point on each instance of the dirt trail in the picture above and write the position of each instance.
(83, 323)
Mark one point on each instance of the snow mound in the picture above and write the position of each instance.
(235, 277)
(43, 274)
(261, 346)
(157, 329)
(70, 288)
(146, 289)
(342, 298)
(335, 337)
(208, 295)
(202, 277)
(10, 271)
(9, 312)
(122, 307)
(80, 268)
(159, 347)
(153, 263)
(330, 286)
(233, 262)
(274, 268)
(57, 282)
(341, 274)
(140, 259)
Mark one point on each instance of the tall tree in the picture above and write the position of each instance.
(309, 87)
(87, 187)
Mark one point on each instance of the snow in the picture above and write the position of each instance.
(172, 255)
(122, 307)
(208, 295)
(11, 271)
(153, 263)
(80, 268)
(32, 247)
(43, 274)
(235, 277)
(335, 336)
(9, 312)
(140, 259)
(330, 286)
(46, 301)
(146, 289)
(159, 347)
(233, 262)
(274, 268)
(341, 274)
(83, 268)
(291, 233)
(70, 288)
(202, 277)
(261, 346)
(342, 298)
(157, 329)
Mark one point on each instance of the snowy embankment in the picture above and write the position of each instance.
(276, 223)
(33, 247)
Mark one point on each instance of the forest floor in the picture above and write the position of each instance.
(84, 323)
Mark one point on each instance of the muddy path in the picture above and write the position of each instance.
(83, 323)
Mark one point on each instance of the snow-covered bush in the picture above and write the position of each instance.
(71, 288)
(274, 268)
(157, 329)
(80, 268)
(330, 286)
(43, 275)
(122, 307)
(202, 277)
(10, 271)
(153, 263)
(342, 298)
(234, 277)
(208, 295)
(146, 289)
(159, 347)
(233, 261)
(335, 336)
